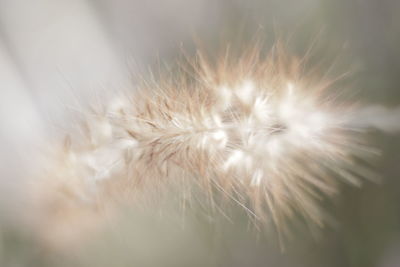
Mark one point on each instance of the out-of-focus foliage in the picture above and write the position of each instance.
(92, 42)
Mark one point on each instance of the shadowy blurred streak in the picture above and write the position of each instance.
(56, 43)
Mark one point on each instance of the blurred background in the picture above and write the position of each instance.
(60, 53)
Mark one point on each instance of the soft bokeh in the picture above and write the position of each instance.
(57, 55)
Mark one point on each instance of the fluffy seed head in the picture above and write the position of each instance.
(256, 129)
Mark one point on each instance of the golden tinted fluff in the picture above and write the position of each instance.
(256, 130)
